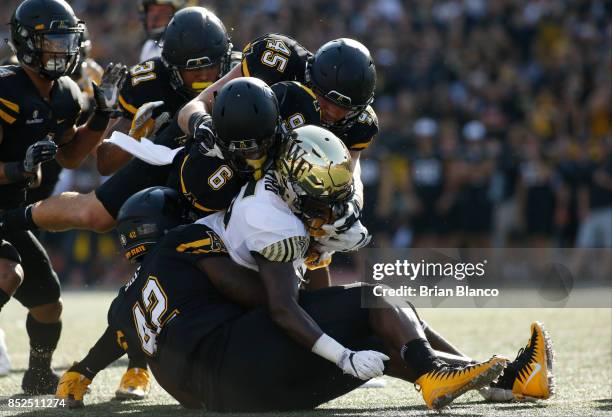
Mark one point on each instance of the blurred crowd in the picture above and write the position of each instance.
(495, 116)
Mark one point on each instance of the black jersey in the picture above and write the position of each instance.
(170, 295)
(26, 118)
(358, 135)
(275, 58)
(297, 104)
(146, 82)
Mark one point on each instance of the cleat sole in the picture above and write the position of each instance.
(478, 382)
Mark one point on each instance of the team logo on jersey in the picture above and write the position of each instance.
(35, 119)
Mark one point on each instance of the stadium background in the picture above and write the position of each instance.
(496, 117)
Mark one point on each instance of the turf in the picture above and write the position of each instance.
(582, 340)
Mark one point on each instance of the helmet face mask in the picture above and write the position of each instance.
(46, 37)
(313, 169)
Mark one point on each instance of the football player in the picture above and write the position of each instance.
(247, 108)
(196, 52)
(341, 76)
(155, 15)
(39, 107)
(192, 330)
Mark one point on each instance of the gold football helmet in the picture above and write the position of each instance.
(313, 169)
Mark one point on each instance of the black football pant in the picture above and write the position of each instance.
(251, 365)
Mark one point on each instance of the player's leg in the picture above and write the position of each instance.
(11, 276)
(74, 382)
(40, 294)
(136, 381)
(93, 211)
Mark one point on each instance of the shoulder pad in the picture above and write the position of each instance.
(298, 104)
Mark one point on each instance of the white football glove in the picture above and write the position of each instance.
(143, 123)
(363, 364)
(352, 213)
(110, 84)
(355, 238)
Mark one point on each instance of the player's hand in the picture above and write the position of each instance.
(146, 121)
(106, 94)
(37, 153)
(352, 213)
(364, 364)
(203, 132)
(355, 238)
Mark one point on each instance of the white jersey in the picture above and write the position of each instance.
(259, 220)
(150, 50)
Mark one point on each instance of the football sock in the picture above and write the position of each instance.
(43, 341)
(419, 355)
(103, 353)
(4, 298)
(137, 361)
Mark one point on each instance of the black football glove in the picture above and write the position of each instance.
(107, 93)
(37, 153)
(202, 130)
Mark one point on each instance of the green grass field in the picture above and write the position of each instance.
(582, 340)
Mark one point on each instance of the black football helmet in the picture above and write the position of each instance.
(46, 37)
(247, 124)
(344, 73)
(145, 217)
(143, 9)
(195, 38)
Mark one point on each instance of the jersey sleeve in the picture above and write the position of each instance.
(68, 110)
(276, 235)
(274, 58)
(298, 104)
(7, 251)
(141, 86)
(195, 241)
(360, 135)
(9, 102)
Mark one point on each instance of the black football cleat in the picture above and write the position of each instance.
(37, 381)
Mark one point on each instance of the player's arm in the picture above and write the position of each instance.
(279, 281)
(28, 170)
(356, 167)
(238, 284)
(317, 279)
(77, 143)
(202, 104)
(110, 157)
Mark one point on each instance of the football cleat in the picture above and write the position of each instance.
(72, 388)
(37, 381)
(5, 361)
(530, 375)
(135, 385)
(442, 385)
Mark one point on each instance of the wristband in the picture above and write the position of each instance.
(98, 121)
(14, 171)
(193, 120)
(328, 348)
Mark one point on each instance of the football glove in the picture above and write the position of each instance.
(37, 153)
(355, 238)
(352, 213)
(363, 364)
(147, 122)
(106, 94)
(203, 131)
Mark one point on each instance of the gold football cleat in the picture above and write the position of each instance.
(135, 385)
(534, 363)
(72, 387)
(442, 385)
